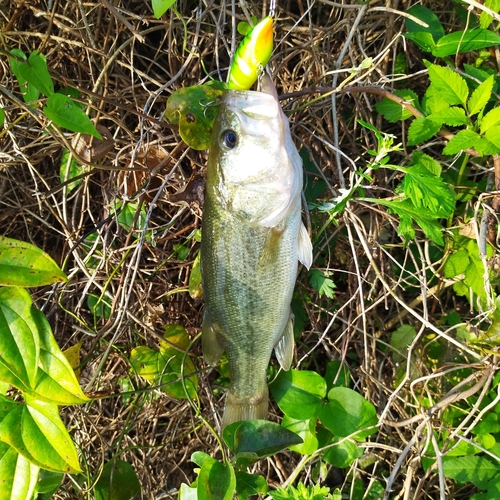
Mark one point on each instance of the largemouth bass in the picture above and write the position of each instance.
(252, 241)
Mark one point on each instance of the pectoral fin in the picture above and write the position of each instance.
(269, 253)
(284, 348)
(305, 248)
(212, 349)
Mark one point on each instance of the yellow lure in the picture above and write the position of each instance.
(252, 54)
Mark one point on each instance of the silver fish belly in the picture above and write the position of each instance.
(252, 241)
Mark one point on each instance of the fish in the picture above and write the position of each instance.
(252, 241)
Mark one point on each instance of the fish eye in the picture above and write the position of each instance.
(229, 139)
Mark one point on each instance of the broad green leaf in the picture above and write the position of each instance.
(216, 481)
(299, 393)
(452, 116)
(428, 191)
(464, 139)
(36, 431)
(28, 90)
(451, 86)
(424, 40)
(18, 476)
(306, 430)
(490, 119)
(56, 379)
(432, 102)
(161, 6)
(435, 28)
(493, 135)
(258, 437)
(64, 112)
(343, 454)
(481, 96)
(421, 129)
(47, 485)
(35, 72)
(392, 111)
(19, 338)
(194, 285)
(460, 42)
(432, 165)
(347, 413)
(456, 263)
(471, 469)
(337, 374)
(23, 264)
(194, 109)
(199, 457)
(400, 340)
(249, 484)
(486, 19)
(187, 493)
(118, 481)
(68, 169)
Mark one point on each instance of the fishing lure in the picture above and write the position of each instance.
(252, 55)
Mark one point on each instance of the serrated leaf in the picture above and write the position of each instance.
(428, 191)
(35, 71)
(426, 161)
(36, 431)
(432, 102)
(348, 413)
(299, 393)
(64, 112)
(18, 476)
(435, 28)
(25, 265)
(460, 42)
(471, 469)
(161, 6)
(465, 139)
(456, 263)
(451, 87)
(320, 281)
(452, 116)
(216, 481)
(194, 109)
(19, 338)
(481, 96)
(486, 19)
(486, 146)
(118, 481)
(490, 119)
(422, 129)
(493, 135)
(392, 111)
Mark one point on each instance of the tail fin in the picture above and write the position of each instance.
(238, 408)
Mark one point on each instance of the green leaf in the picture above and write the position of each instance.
(194, 285)
(35, 72)
(452, 116)
(401, 339)
(36, 431)
(485, 19)
(68, 169)
(432, 165)
(2, 117)
(299, 394)
(337, 374)
(451, 87)
(187, 493)
(99, 306)
(161, 6)
(481, 96)
(19, 339)
(23, 264)
(260, 438)
(18, 475)
(118, 481)
(421, 129)
(64, 112)
(460, 42)
(424, 40)
(343, 454)
(48, 483)
(490, 119)
(464, 139)
(306, 430)
(320, 281)
(216, 481)
(471, 469)
(249, 484)
(347, 413)
(28, 90)
(394, 112)
(435, 28)
(194, 109)
(456, 263)
(56, 379)
(302, 492)
(428, 191)
(493, 135)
